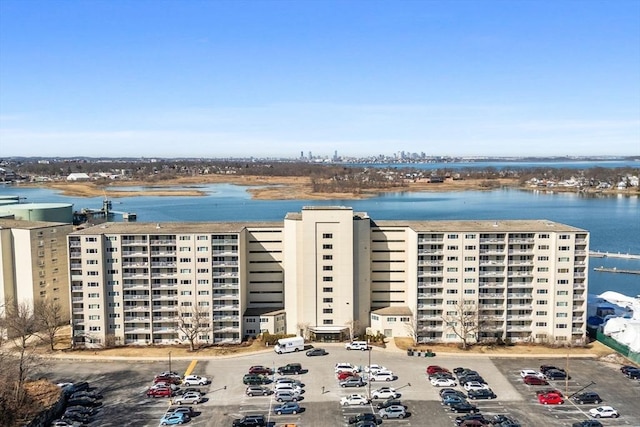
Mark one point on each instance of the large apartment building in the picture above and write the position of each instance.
(33, 263)
(325, 272)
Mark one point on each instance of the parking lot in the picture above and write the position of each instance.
(124, 385)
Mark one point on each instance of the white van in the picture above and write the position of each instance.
(357, 345)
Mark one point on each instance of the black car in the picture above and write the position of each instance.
(316, 352)
(545, 368)
(188, 410)
(84, 401)
(624, 369)
(364, 417)
(555, 374)
(587, 397)
(87, 410)
(587, 423)
(75, 416)
(390, 402)
(255, 379)
(471, 378)
(446, 375)
(465, 372)
(290, 369)
(250, 421)
(479, 417)
(464, 407)
(633, 373)
(500, 420)
(481, 394)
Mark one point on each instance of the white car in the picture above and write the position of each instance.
(375, 368)
(443, 382)
(188, 398)
(354, 399)
(382, 376)
(475, 385)
(385, 393)
(604, 412)
(348, 367)
(195, 380)
(287, 387)
(531, 372)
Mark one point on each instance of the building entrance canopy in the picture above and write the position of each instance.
(328, 333)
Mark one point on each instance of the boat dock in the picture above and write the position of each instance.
(616, 270)
(598, 254)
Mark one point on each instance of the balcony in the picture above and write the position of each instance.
(225, 263)
(520, 295)
(520, 306)
(164, 264)
(577, 331)
(137, 319)
(135, 264)
(163, 242)
(431, 295)
(422, 263)
(430, 251)
(226, 318)
(135, 253)
(226, 307)
(224, 241)
(127, 242)
(430, 273)
(226, 286)
(491, 251)
(224, 297)
(164, 252)
(219, 252)
(135, 297)
(76, 288)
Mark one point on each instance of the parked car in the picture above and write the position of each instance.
(550, 399)
(375, 368)
(290, 369)
(287, 408)
(390, 402)
(84, 401)
(360, 424)
(503, 420)
(316, 352)
(460, 372)
(76, 417)
(545, 368)
(450, 399)
(475, 416)
(385, 393)
(432, 369)
(354, 399)
(604, 412)
(353, 382)
(382, 376)
(587, 423)
(471, 378)
(355, 419)
(555, 374)
(195, 380)
(549, 390)
(465, 407)
(472, 423)
(357, 345)
(182, 409)
(626, 368)
(446, 375)
(85, 410)
(531, 380)
(475, 385)
(481, 394)
(343, 375)
(287, 380)
(255, 379)
(169, 379)
(93, 394)
(587, 397)
(188, 398)
(260, 370)
(452, 391)
(633, 373)
(286, 396)
(443, 382)
(250, 421)
(257, 390)
(288, 387)
(394, 411)
(531, 373)
(348, 367)
(159, 392)
(172, 419)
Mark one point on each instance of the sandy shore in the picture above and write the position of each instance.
(272, 188)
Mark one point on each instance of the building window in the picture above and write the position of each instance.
(327, 300)
(564, 248)
(543, 269)
(452, 248)
(543, 258)
(327, 257)
(541, 324)
(327, 289)
(452, 258)
(563, 282)
(469, 236)
(452, 269)
(542, 291)
(452, 280)
(452, 236)
(327, 279)
(561, 326)
(327, 236)
(327, 267)
(541, 313)
(469, 291)
(543, 247)
(405, 319)
(561, 314)
(541, 302)
(470, 248)
(327, 246)
(542, 280)
(327, 310)
(452, 291)
(327, 322)
(563, 292)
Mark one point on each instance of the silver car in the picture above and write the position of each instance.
(188, 398)
(286, 396)
(394, 411)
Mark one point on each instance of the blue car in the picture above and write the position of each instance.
(287, 408)
(174, 418)
(452, 399)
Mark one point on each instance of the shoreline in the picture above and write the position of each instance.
(285, 188)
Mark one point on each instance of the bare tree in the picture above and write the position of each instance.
(48, 316)
(463, 321)
(192, 321)
(353, 326)
(412, 328)
(303, 328)
(21, 327)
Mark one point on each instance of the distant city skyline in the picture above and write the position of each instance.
(280, 78)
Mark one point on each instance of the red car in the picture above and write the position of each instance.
(432, 369)
(343, 375)
(159, 392)
(260, 370)
(550, 399)
(169, 379)
(531, 380)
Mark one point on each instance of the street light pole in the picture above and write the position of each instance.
(369, 366)
(169, 361)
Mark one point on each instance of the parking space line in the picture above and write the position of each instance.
(191, 367)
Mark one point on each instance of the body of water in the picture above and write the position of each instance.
(613, 221)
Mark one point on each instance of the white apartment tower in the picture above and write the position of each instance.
(327, 272)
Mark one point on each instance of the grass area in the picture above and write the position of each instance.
(595, 348)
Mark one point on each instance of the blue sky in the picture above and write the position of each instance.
(276, 78)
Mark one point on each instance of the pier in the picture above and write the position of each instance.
(616, 270)
(598, 254)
